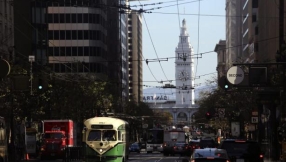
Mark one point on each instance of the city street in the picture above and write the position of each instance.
(142, 157)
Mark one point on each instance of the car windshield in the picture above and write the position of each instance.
(134, 145)
(54, 135)
(210, 160)
(241, 147)
(180, 144)
(193, 143)
(207, 143)
(214, 154)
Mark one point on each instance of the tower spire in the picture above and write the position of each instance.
(184, 29)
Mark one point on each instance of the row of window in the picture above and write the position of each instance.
(77, 51)
(78, 67)
(76, 18)
(75, 3)
(76, 35)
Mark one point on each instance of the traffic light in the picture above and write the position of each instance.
(223, 83)
(40, 84)
(208, 116)
(226, 85)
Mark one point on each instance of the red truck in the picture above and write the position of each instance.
(57, 135)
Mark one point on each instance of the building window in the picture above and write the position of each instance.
(68, 34)
(85, 18)
(56, 51)
(62, 18)
(79, 18)
(56, 18)
(62, 35)
(80, 34)
(74, 34)
(73, 16)
(74, 51)
(68, 51)
(80, 51)
(56, 35)
(68, 18)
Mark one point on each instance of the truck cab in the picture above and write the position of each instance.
(57, 136)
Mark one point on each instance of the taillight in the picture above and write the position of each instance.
(227, 161)
(260, 156)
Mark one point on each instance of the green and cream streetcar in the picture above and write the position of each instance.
(105, 139)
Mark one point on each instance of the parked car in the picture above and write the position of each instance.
(180, 148)
(134, 148)
(207, 143)
(242, 150)
(193, 144)
(209, 154)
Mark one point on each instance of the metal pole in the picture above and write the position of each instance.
(31, 59)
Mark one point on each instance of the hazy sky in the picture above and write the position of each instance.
(205, 22)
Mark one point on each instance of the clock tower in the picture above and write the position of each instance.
(184, 70)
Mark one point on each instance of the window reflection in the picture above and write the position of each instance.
(94, 135)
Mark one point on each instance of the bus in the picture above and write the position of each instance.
(105, 139)
(171, 137)
(3, 141)
(155, 139)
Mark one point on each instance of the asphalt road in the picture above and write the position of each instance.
(137, 157)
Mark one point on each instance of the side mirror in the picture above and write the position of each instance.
(84, 134)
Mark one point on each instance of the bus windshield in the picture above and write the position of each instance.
(155, 136)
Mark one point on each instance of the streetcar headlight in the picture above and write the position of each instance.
(100, 150)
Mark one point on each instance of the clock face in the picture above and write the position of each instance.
(183, 75)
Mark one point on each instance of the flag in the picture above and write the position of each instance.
(154, 97)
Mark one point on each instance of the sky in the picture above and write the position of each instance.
(205, 20)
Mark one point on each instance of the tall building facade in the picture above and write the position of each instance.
(221, 58)
(184, 70)
(76, 37)
(262, 40)
(233, 32)
(6, 30)
(135, 56)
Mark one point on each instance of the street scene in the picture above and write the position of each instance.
(142, 80)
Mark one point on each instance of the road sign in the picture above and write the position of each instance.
(145, 126)
(235, 75)
(221, 112)
(254, 119)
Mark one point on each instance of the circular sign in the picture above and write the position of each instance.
(4, 68)
(145, 126)
(235, 75)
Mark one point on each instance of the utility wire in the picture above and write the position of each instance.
(198, 47)
(153, 48)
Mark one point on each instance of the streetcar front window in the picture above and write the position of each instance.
(94, 135)
(109, 135)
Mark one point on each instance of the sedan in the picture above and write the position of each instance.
(134, 148)
(209, 154)
(180, 148)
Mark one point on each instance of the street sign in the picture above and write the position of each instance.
(235, 75)
(145, 126)
(254, 119)
(254, 113)
(221, 112)
(251, 127)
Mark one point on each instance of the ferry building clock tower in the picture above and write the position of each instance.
(184, 70)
